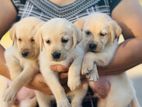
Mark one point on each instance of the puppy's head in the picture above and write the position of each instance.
(102, 29)
(58, 36)
(23, 36)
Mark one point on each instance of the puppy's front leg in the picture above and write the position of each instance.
(74, 73)
(101, 59)
(52, 81)
(28, 103)
(43, 99)
(79, 95)
(89, 67)
(92, 59)
(25, 77)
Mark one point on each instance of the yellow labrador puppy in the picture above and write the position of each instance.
(104, 32)
(59, 39)
(22, 56)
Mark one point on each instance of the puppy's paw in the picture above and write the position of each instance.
(4, 104)
(74, 83)
(87, 67)
(93, 76)
(9, 95)
(63, 103)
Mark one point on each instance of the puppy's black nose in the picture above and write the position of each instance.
(25, 53)
(56, 55)
(92, 46)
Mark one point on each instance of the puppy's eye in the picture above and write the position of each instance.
(32, 40)
(48, 41)
(19, 39)
(64, 40)
(88, 33)
(103, 34)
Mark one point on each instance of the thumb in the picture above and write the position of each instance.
(59, 68)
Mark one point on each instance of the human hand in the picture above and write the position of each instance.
(61, 69)
(101, 87)
(39, 84)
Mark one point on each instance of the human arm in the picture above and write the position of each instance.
(128, 53)
(7, 17)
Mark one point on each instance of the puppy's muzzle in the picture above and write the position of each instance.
(25, 53)
(56, 55)
(92, 46)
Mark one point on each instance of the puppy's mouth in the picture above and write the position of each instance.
(92, 51)
(58, 60)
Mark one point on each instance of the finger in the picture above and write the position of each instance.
(63, 75)
(59, 68)
(101, 87)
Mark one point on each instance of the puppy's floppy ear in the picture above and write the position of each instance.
(115, 30)
(79, 23)
(39, 39)
(12, 32)
(38, 35)
(78, 26)
(77, 36)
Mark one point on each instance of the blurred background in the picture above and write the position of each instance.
(135, 73)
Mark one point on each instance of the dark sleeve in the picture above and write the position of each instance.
(113, 4)
(18, 4)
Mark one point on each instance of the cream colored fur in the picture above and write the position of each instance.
(104, 32)
(59, 35)
(22, 67)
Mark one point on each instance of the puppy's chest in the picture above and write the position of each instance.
(29, 62)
